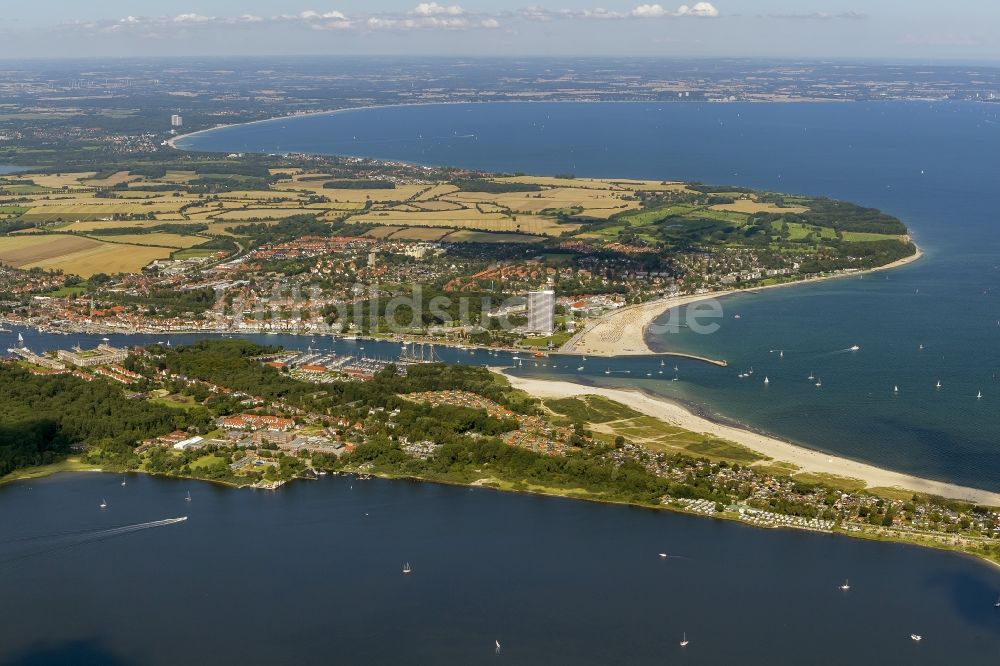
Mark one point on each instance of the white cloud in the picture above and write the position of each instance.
(434, 9)
(644, 11)
(424, 16)
(192, 18)
(700, 9)
(310, 15)
(649, 11)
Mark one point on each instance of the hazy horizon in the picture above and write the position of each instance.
(786, 29)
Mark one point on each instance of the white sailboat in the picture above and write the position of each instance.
(916, 637)
(104, 504)
(498, 647)
(123, 481)
(895, 389)
(997, 604)
(684, 640)
(938, 385)
(766, 380)
(846, 586)
(407, 569)
(979, 395)
(188, 498)
(819, 382)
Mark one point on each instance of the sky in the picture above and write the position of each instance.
(929, 30)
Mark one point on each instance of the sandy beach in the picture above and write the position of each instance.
(623, 332)
(807, 460)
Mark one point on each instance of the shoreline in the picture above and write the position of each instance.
(778, 450)
(624, 331)
(499, 486)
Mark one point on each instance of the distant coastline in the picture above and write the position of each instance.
(171, 142)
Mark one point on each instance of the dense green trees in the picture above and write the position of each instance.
(42, 417)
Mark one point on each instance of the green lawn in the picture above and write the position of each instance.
(208, 461)
(191, 253)
(77, 290)
(68, 465)
(557, 340)
(591, 409)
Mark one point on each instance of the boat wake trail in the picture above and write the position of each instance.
(65, 540)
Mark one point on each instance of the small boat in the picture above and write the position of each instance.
(664, 556)
(104, 504)
(123, 481)
(579, 369)
(921, 347)
(736, 316)
(684, 640)
(846, 586)
(895, 389)
(662, 363)
(819, 382)
(766, 380)
(997, 604)
(188, 498)
(916, 637)
(854, 348)
(608, 371)
(811, 376)
(979, 395)
(938, 385)
(649, 374)
(498, 647)
(407, 569)
(781, 354)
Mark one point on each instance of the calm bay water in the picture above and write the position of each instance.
(931, 164)
(311, 574)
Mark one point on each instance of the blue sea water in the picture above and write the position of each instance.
(931, 164)
(312, 574)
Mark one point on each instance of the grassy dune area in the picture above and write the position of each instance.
(614, 419)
